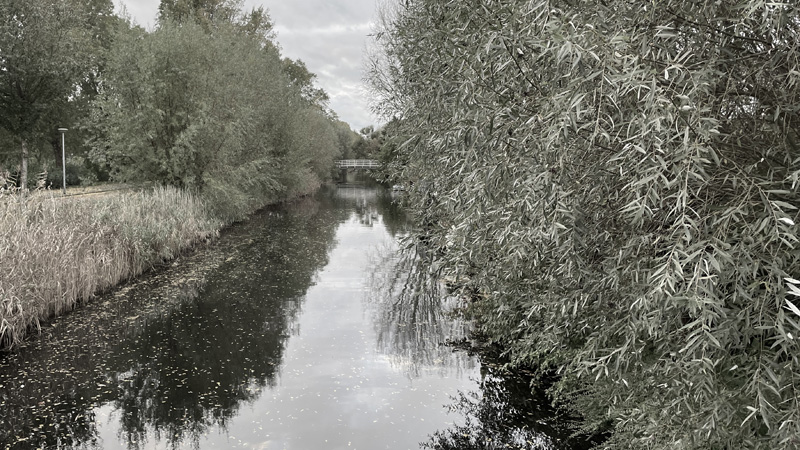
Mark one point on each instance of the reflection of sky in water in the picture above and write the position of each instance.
(334, 388)
(301, 328)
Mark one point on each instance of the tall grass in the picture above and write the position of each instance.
(56, 253)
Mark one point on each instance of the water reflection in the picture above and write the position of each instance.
(418, 324)
(505, 414)
(371, 204)
(272, 328)
(415, 318)
(176, 352)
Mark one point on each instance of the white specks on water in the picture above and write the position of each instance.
(331, 384)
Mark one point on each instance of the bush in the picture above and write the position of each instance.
(211, 111)
(77, 175)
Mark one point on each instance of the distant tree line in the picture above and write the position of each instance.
(615, 186)
(204, 101)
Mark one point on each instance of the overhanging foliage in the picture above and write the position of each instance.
(618, 183)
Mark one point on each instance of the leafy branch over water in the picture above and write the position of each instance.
(618, 185)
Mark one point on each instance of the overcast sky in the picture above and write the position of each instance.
(328, 35)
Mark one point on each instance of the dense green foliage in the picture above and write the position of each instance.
(204, 103)
(50, 52)
(617, 185)
(213, 111)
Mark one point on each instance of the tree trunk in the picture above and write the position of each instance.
(56, 144)
(23, 172)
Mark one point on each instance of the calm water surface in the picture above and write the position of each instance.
(303, 328)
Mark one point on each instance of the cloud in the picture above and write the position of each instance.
(328, 29)
(317, 13)
(143, 12)
(330, 37)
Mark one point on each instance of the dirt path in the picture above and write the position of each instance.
(87, 191)
(96, 191)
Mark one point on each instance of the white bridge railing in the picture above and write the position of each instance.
(357, 164)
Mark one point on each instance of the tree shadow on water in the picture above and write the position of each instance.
(414, 317)
(419, 326)
(176, 353)
(505, 414)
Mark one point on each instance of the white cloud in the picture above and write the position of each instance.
(330, 37)
(333, 29)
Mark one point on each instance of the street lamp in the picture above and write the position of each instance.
(63, 163)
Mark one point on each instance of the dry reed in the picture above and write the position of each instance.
(56, 253)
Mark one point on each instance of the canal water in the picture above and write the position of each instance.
(308, 326)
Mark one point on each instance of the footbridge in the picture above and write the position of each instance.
(357, 164)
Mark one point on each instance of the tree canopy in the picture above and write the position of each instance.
(205, 13)
(205, 101)
(616, 185)
(46, 53)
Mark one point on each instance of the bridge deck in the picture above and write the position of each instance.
(357, 164)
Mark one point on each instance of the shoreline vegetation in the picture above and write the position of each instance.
(617, 186)
(59, 254)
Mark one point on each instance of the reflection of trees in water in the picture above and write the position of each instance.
(393, 215)
(223, 349)
(351, 194)
(504, 414)
(414, 317)
(182, 351)
(373, 204)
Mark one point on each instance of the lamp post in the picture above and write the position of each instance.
(63, 163)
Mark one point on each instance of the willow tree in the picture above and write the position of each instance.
(617, 185)
(206, 13)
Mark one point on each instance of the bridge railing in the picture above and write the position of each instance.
(357, 164)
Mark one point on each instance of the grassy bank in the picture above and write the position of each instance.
(57, 253)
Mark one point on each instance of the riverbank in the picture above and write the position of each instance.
(57, 254)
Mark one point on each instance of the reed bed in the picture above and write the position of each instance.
(56, 253)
